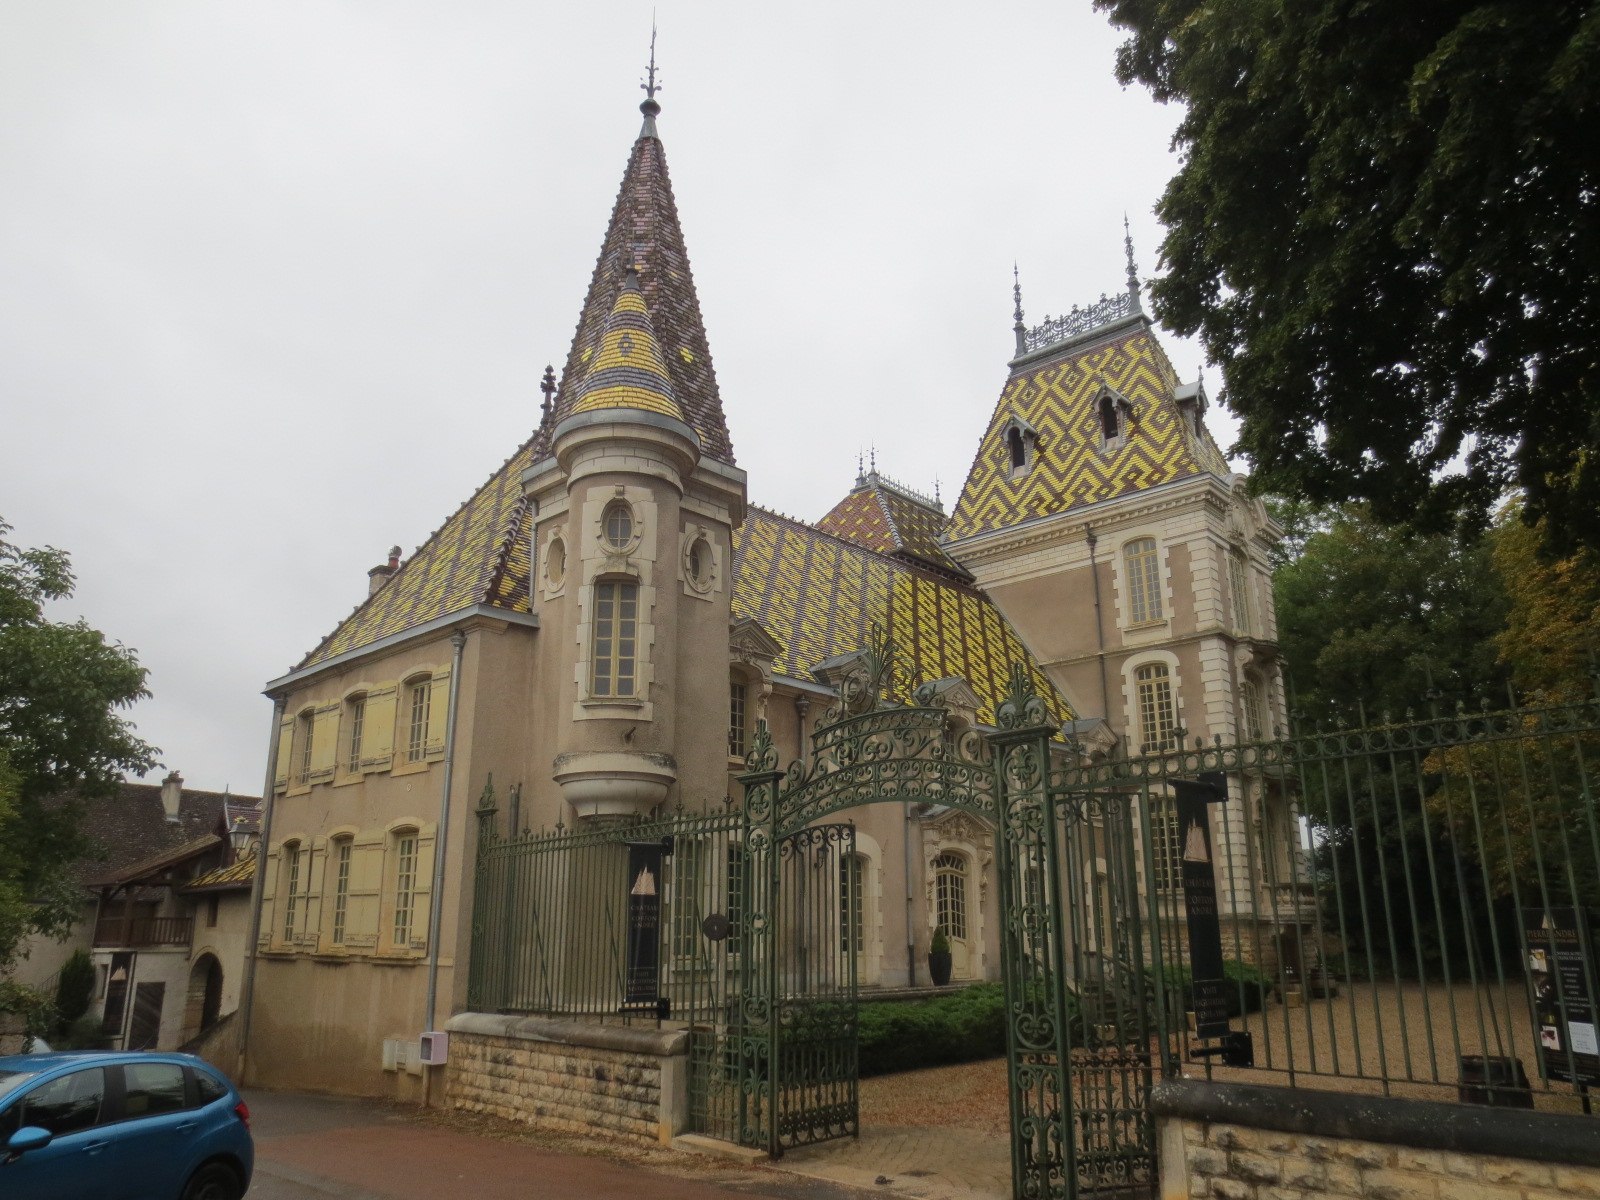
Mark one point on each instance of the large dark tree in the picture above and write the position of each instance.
(62, 737)
(1386, 229)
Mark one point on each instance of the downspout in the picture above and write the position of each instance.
(1099, 626)
(247, 996)
(911, 939)
(458, 643)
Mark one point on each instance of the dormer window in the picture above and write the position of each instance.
(1114, 412)
(1108, 418)
(1021, 441)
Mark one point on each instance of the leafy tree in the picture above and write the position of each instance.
(62, 738)
(1386, 229)
(74, 988)
(1551, 639)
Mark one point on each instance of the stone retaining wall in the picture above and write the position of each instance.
(1226, 1142)
(568, 1075)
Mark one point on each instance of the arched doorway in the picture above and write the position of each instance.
(203, 1004)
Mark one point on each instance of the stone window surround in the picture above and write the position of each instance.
(1130, 691)
(603, 563)
(1120, 585)
(869, 966)
(960, 834)
(711, 585)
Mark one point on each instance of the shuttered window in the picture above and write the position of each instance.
(405, 887)
(418, 693)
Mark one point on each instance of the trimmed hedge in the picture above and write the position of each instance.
(903, 1035)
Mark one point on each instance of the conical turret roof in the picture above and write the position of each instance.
(644, 233)
(627, 369)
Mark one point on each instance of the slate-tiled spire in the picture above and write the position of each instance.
(644, 232)
(627, 369)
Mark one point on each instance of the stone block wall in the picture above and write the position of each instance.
(1222, 1142)
(569, 1076)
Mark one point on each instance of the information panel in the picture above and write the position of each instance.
(1561, 969)
(1210, 986)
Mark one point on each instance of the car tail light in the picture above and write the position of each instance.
(242, 1111)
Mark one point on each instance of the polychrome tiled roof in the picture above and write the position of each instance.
(1056, 397)
(819, 596)
(887, 517)
(627, 370)
(236, 875)
(481, 555)
(644, 233)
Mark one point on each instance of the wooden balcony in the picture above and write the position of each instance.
(143, 931)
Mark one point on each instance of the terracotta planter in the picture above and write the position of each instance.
(939, 968)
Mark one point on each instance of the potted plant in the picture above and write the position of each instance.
(939, 957)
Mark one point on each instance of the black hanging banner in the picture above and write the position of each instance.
(1561, 969)
(1210, 986)
(642, 983)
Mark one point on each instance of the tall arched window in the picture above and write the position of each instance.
(355, 721)
(291, 889)
(950, 894)
(852, 924)
(616, 625)
(405, 886)
(1251, 723)
(342, 848)
(304, 727)
(1239, 585)
(1143, 568)
(1158, 720)
(419, 696)
(738, 699)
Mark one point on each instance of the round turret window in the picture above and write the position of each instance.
(618, 525)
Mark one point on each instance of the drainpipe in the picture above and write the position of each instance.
(247, 994)
(1099, 625)
(911, 937)
(441, 841)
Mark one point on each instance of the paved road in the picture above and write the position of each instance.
(317, 1148)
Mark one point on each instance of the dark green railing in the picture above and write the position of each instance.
(1407, 908)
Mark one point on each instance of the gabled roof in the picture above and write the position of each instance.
(890, 518)
(1055, 394)
(820, 596)
(156, 864)
(481, 555)
(129, 827)
(644, 233)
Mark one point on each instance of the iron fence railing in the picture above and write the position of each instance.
(1408, 908)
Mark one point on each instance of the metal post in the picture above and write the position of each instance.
(441, 840)
(247, 994)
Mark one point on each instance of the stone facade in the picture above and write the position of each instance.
(569, 1076)
(1230, 1160)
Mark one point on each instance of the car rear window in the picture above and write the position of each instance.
(208, 1086)
(151, 1088)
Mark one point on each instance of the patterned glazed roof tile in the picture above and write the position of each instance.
(644, 232)
(628, 370)
(1057, 399)
(819, 596)
(479, 556)
(884, 516)
(239, 874)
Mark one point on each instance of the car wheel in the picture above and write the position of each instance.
(214, 1181)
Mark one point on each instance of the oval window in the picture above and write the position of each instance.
(555, 563)
(618, 523)
(700, 563)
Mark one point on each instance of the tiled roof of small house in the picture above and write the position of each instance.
(1056, 397)
(819, 596)
(236, 875)
(130, 826)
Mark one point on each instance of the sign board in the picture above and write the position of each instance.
(642, 978)
(1198, 872)
(1561, 973)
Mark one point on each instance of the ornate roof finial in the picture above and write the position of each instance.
(1018, 328)
(1133, 270)
(873, 457)
(861, 468)
(547, 385)
(937, 498)
(650, 108)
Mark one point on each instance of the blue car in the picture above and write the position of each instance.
(121, 1126)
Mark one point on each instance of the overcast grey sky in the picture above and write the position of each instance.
(278, 280)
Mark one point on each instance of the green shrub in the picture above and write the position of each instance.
(903, 1035)
(1246, 991)
(34, 1006)
(84, 1034)
(74, 989)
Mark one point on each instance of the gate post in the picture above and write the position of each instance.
(755, 1028)
(1032, 957)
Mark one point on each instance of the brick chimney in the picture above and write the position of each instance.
(379, 575)
(172, 795)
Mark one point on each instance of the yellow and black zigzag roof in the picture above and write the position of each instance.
(1057, 398)
(819, 596)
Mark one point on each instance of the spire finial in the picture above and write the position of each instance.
(547, 385)
(872, 457)
(1133, 270)
(648, 85)
(1018, 327)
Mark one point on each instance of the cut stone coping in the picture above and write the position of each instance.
(1423, 1124)
(660, 1043)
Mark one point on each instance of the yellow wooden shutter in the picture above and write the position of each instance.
(324, 742)
(438, 712)
(366, 883)
(310, 933)
(285, 753)
(269, 890)
(377, 729)
(422, 893)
